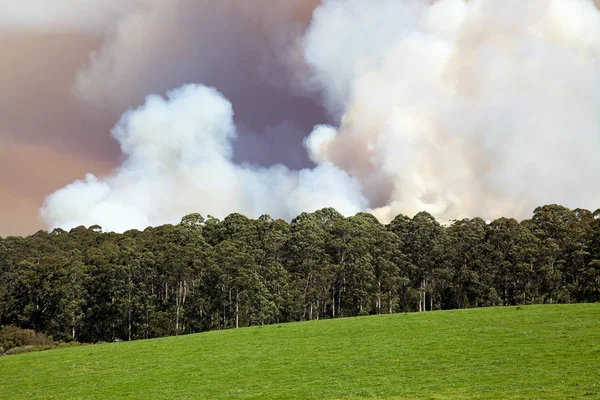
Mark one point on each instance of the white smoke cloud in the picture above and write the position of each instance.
(480, 108)
(93, 16)
(178, 160)
(461, 108)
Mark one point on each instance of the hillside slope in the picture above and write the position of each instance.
(545, 352)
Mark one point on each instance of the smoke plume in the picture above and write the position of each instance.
(460, 108)
(179, 159)
(69, 69)
(480, 108)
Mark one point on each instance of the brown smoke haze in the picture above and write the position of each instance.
(47, 138)
(69, 70)
(145, 110)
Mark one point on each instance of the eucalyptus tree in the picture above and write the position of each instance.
(469, 274)
(270, 258)
(591, 273)
(423, 241)
(512, 250)
(563, 250)
(309, 264)
(206, 273)
(388, 262)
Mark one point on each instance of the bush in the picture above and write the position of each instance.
(12, 337)
(27, 349)
(15, 340)
(62, 345)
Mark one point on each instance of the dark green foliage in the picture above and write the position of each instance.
(207, 274)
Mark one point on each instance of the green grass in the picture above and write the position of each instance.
(537, 352)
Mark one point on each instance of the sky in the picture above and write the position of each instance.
(129, 113)
(46, 138)
(52, 134)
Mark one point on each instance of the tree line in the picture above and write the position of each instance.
(206, 274)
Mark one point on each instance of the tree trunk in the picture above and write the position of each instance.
(430, 302)
(237, 308)
(129, 325)
(378, 296)
(225, 312)
(422, 296)
(129, 313)
(177, 320)
(177, 307)
(147, 322)
(333, 304)
(340, 302)
(404, 297)
(185, 290)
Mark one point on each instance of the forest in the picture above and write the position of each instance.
(208, 274)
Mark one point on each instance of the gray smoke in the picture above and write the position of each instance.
(480, 108)
(178, 159)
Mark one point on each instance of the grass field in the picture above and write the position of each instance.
(537, 352)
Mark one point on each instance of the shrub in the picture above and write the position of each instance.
(68, 344)
(12, 337)
(27, 349)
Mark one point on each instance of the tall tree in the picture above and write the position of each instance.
(309, 264)
(423, 241)
(512, 252)
(470, 272)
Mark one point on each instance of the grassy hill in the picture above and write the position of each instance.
(536, 352)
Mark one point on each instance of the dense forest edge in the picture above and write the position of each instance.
(205, 274)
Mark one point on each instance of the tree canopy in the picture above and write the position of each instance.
(205, 273)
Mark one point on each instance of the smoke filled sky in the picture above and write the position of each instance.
(128, 113)
(69, 69)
